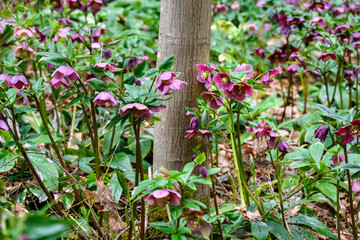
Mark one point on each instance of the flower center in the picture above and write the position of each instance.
(354, 130)
(205, 74)
(224, 80)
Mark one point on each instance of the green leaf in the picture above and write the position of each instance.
(112, 87)
(328, 112)
(259, 230)
(166, 64)
(316, 151)
(162, 226)
(350, 166)
(200, 158)
(152, 73)
(188, 168)
(122, 162)
(299, 164)
(327, 189)
(97, 85)
(212, 171)
(139, 70)
(116, 187)
(5, 161)
(176, 211)
(278, 230)
(47, 169)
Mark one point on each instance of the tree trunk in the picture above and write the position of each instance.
(184, 31)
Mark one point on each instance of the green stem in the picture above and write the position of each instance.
(96, 142)
(338, 206)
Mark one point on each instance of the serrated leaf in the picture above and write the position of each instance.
(97, 85)
(166, 64)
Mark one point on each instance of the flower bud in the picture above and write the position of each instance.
(137, 82)
(227, 220)
(283, 146)
(321, 132)
(193, 156)
(107, 54)
(337, 159)
(203, 171)
(194, 122)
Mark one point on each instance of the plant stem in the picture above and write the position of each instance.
(338, 206)
(352, 209)
(96, 142)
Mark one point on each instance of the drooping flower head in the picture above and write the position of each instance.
(260, 52)
(76, 37)
(135, 61)
(194, 122)
(321, 132)
(313, 73)
(235, 6)
(65, 71)
(41, 36)
(356, 186)
(105, 97)
(6, 78)
(197, 223)
(18, 82)
(58, 82)
(58, 5)
(224, 81)
(23, 99)
(138, 110)
(203, 171)
(283, 146)
(337, 159)
(162, 196)
(252, 28)
(245, 68)
(269, 77)
(292, 69)
(221, 8)
(204, 75)
(198, 133)
(95, 43)
(166, 82)
(74, 4)
(105, 66)
(350, 131)
(4, 126)
(24, 52)
(95, 5)
(326, 56)
(239, 92)
(22, 32)
(214, 101)
(107, 54)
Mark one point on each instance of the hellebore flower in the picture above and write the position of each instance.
(76, 37)
(204, 75)
(24, 52)
(342, 28)
(74, 4)
(6, 78)
(269, 77)
(337, 159)
(214, 101)
(260, 3)
(350, 131)
(23, 100)
(105, 97)
(326, 56)
(95, 5)
(198, 132)
(194, 156)
(95, 37)
(321, 132)
(18, 82)
(256, 129)
(292, 69)
(138, 110)
(23, 33)
(252, 28)
(105, 66)
(260, 52)
(137, 82)
(162, 196)
(65, 21)
(107, 54)
(166, 82)
(338, 11)
(194, 122)
(356, 186)
(221, 8)
(224, 81)
(277, 57)
(58, 82)
(40, 35)
(235, 6)
(197, 223)
(283, 146)
(243, 68)
(239, 92)
(313, 73)
(267, 132)
(349, 74)
(135, 61)
(203, 171)
(4, 126)
(293, 2)
(65, 71)
(318, 21)
(266, 26)
(299, 58)
(320, 6)
(58, 5)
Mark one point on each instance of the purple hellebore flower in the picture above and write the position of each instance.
(337, 159)
(58, 5)
(41, 36)
(95, 37)
(267, 132)
(243, 68)
(342, 28)
(138, 110)
(194, 156)
(162, 196)
(137, 82)
(58, 82)
(269, 77)
(197, 223)
(356, 186)
(204, 75)
(235, 6)
(283, 146)
(338, 11)
(22, 32)
(221, 8)
(293, 2)
(214, 101)
(227, 220)
(23, 100)
(252, 29)
(107, 54)
(273, 135)
(65, 21)
(321, 132)
(95, 5)
(326, 56)
(215, 68)
(350, 131)
(74, 4)
(256, 129)
(292, 69)
(18, 82)
(266, 26)
(260, 52)
(299, 58)
(260, 3)
(349, 74)
(320, 6)
(318, 21)
(76, 37)
(63, 32)
(313, 73)
(198, 132)
(24, 16)
(224, 81)
(194, 122)
(4, 126)
(65, 71)
(24, 52)
(135, 61)
(6, 78)
(239, 92)
(105, 66)
(355, 37)
(166, 82)
(277, 57)
(203, 171)
(105, 97)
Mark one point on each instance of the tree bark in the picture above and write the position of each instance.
(184, 31)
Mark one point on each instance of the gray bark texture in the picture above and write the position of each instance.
(184, 31)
